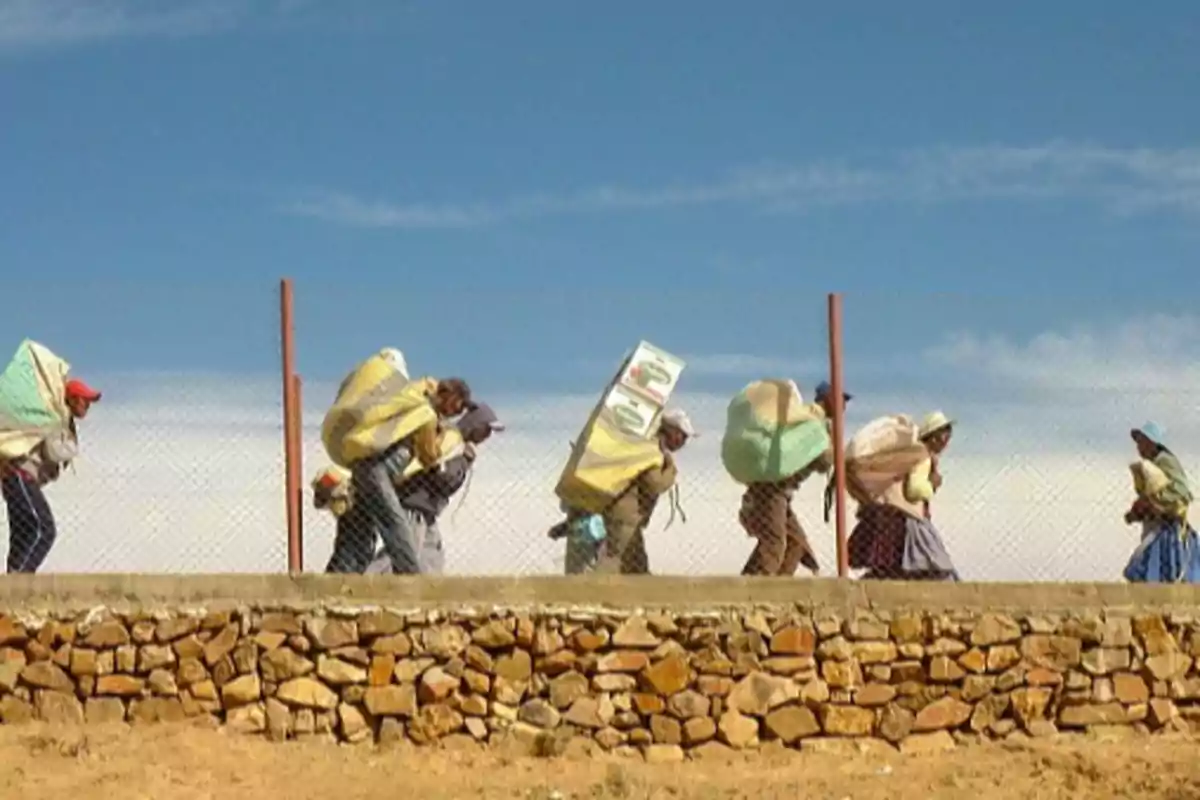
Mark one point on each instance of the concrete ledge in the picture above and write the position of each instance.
(74, 591)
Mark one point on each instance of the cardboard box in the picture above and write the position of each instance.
(618, 442)
(651, 372)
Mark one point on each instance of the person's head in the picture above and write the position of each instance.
(823, 396)
(479, 423)
(674, 429)
(79, 397)
(1149, 440)
(451, 397)
(936, 431)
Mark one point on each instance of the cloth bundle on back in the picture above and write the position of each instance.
(770, 433)
(32, 400)
(880, 454)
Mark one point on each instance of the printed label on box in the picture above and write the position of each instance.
(633, 414)
(652, 372)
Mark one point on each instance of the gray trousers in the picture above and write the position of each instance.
(583, 554)
(432, 558)
(374, 485)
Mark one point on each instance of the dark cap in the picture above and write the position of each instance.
(824, 389)
(478, 418)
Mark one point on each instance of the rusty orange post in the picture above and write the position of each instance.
(839, 429)
(298, 438)
(291, 455)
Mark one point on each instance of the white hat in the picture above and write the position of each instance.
(678, 418)
(933, 423)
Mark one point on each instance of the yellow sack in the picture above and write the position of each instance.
(1148, 478)
(609, 455)
(881, 454)
(450, 444)
(376, 407)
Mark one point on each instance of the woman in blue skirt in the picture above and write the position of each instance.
(1169, 551)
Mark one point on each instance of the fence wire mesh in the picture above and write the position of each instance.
(183, 471)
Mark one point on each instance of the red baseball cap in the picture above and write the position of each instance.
(77, 388)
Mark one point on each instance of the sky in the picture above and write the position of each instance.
(1007, 199)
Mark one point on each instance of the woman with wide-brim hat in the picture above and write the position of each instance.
(895, 538)
(1169, 551)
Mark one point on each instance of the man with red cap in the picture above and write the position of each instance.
(30, 521)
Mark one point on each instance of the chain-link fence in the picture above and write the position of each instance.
(182, 470)
(1032, 485)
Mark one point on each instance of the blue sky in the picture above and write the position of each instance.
(496, 186)
(517, 192)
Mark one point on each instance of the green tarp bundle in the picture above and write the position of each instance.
(770, 434)
(31, 399)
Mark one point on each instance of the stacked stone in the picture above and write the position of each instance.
(660, 683)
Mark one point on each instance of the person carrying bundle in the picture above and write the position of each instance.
(424, 495)
(895, 538)
(39, 413)
(624, 547)
(773, 442)
(613, 539)
(1169, 551)
(381, 423)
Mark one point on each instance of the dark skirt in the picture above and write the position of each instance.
(893, 545)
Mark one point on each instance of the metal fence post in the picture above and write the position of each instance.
(291, 448)
(839, 427)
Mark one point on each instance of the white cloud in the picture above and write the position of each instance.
(1124, 181)
(1151, 354)
(27, 24)
(190, 478)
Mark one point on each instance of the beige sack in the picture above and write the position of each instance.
(881, 454)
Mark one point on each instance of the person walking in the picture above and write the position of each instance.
(1169, 551)
(623, 549)
(32, 529)
(426, 495)
(895, 538)
(766, 515)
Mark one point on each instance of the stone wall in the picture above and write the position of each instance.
(663, 680)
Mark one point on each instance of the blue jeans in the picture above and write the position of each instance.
(373, 481)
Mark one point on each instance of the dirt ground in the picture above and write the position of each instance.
(185, 763)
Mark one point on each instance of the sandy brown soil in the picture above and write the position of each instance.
(167, 763)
